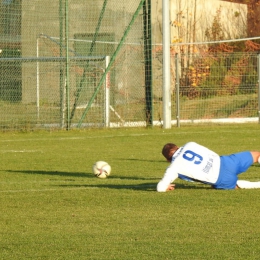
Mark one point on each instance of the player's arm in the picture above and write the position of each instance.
(171, 187)
(165, 184)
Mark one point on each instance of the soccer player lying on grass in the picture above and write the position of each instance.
(194, 162)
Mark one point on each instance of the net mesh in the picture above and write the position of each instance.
(56, 59)
(98, 63)
(216, 61)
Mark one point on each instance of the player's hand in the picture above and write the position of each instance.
(171, 187)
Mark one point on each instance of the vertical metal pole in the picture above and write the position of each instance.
(37, 80)
(177, 89)
(166, 65)
(67, 62)
(62, 116)
(147, 31)
(107, 94)
(258, 72)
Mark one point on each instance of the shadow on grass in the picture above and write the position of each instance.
(53, 173)
(77, 175)
(141, 186)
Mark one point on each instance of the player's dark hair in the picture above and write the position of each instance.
(168, 151)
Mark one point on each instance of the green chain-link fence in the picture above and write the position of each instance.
(67, 64)
(71, 64)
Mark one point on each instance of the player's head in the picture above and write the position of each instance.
(168, 151)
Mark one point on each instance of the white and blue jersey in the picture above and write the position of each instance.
(194, 162)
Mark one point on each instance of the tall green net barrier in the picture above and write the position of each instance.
(66, 64)
(86, 64)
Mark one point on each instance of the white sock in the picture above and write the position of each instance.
(248, 184)
(258, 160)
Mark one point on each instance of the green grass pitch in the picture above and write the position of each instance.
(52, 207)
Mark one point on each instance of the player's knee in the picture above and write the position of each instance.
(256, 156)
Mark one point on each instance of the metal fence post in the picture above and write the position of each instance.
(148, 62)
(62, 86)
(67, 63)
(258, 76)
(166, 65)
(107, 94)
(177, 88)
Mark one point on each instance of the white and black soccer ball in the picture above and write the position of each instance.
(101, 169)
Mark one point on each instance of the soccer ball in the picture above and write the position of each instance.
(101, 169)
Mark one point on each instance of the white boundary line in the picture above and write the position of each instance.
(47, 190)
(21, 151)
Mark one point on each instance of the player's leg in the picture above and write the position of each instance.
(234, 164)
(248, 184)
(256, 156)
